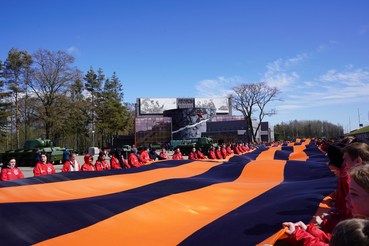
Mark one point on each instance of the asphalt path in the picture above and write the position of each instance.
(28, 171)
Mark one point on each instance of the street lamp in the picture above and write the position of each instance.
(93, 138)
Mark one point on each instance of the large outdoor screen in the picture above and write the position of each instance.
(221, 104)
(157, 105)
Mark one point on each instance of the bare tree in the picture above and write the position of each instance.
(251, 99)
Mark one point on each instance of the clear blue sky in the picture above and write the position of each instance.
(317, 52)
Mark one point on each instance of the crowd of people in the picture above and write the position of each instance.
(137, 157)
(346, 223)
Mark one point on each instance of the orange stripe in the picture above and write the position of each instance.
(170, 220)
(267, 155)
(98, 186)
(298, 153)
(281, 234)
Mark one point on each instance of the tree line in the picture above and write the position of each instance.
(45, 95)
(306, 129)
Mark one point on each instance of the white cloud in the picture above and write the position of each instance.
(278, 73)
(357, 77)
(73, 50)
(290, 106)
(217, 87)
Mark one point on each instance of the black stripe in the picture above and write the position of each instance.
(297, 198)
(30, 223)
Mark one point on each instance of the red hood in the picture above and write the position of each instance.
(87, 158)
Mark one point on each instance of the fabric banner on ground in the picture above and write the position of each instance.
(240, 201)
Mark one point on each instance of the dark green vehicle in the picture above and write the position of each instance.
(203, 143)
(126, 150)
(26, 156)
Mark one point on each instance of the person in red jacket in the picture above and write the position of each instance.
(42, 167)
(177, 155)
(247, 147)
(193, 155)
(199, 154)
(243, 147)
(133, 160)
(211, 153)
(117, 160)
(223, 151)
(163, 154)
(89, 163)
(229, 149)
(218, 153)
(144, 156)
(101, 164)
(11, 172)
(236, 150)
(71, 164)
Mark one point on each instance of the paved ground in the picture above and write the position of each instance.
(28, 171)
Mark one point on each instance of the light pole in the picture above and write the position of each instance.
(93, 138)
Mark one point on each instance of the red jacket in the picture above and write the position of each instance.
(67, 166)
(342, 211)
(102, 165)
(177, 156)
(88, 167)
(133, 161)
(224, 153)
(229, 150)
(236, 150)
(192, 156)
(164, 156)
(144, 158)
(342, 191)
(114, 163)
(43, 169)
(11, 173)
(200, 155)
(218, 154)
(312, 236)
(211, 154)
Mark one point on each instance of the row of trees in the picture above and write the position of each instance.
(307, 129)
(45, 95)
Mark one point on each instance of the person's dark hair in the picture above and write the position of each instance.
(101, 154)
(43, 153)
(8, 160)
(335, 155)
(146, 147)
(118, 155)
(11, 158)
(353, 232)
(117, 152)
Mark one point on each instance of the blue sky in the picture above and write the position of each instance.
(316, 52)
